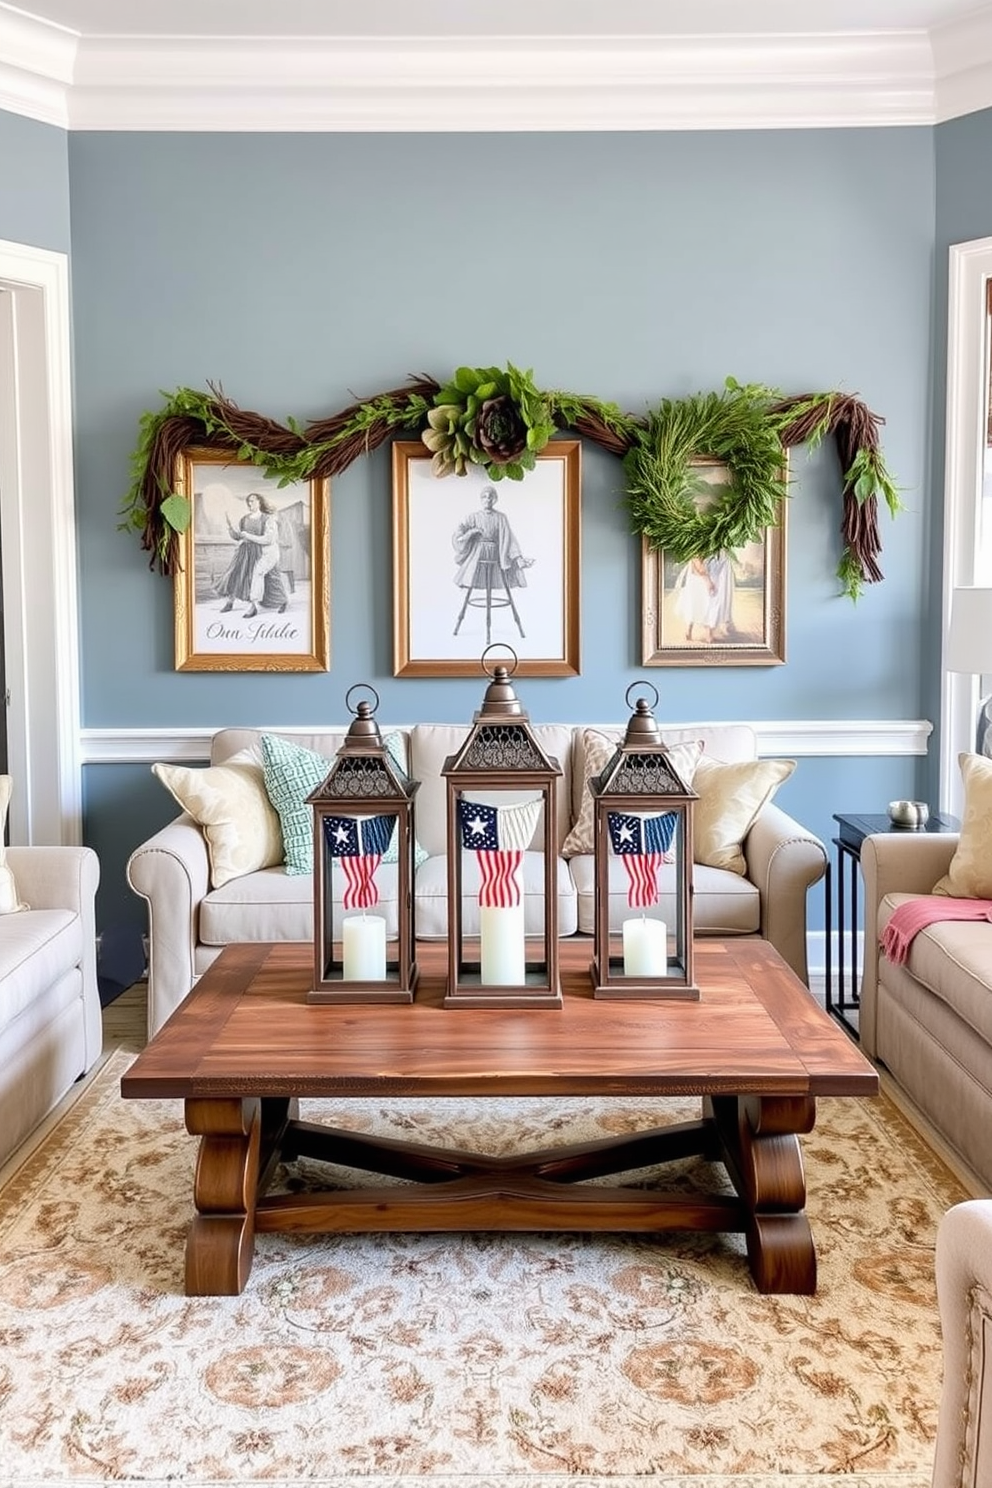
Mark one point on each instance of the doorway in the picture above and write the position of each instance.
(38, 550)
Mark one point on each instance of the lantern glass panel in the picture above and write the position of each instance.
(647, 908)
(502, 931)
(361, 925)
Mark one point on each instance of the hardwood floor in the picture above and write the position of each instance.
(124, 1025)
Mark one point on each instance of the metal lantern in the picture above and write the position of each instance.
(363, 949)
(642, 944)
(501, 790)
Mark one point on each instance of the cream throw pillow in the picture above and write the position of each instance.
(598, 749)
(230, 803)
(730, 797)
(969, 875)
(9, 900)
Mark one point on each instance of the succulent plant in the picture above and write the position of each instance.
(488, 417)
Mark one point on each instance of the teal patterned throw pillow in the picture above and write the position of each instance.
(291, 772)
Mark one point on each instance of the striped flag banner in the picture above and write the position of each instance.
(498, 835)
(359, 841)
(641, 843)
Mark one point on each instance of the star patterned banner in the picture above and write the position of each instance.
(641, 843)
(498, 835)
(360, 843)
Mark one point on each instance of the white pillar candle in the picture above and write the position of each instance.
(364, 941)
(501, 933)
(645, 947)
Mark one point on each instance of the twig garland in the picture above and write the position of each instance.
(500, 421)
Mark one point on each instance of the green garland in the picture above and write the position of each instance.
(662, 483)
(500, 421)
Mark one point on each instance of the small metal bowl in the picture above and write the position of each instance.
(909, 813)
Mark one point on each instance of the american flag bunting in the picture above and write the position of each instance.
(499, 836)
(359, 842)
(641, 844)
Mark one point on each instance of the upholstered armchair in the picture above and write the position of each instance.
(964, 1288)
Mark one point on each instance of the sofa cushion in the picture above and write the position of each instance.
(432, 897)
(430, 746)
(37, 948)
(291, 772)
(730, 798)
(969, 875)
(952, 959)
(723, 902)
(598, 749)
(275, 905)
(229, 802)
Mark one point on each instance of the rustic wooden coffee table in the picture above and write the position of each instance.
(245, 1046)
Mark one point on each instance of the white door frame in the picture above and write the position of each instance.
(38, 523)
(969, 270)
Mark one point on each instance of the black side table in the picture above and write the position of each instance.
(852, 831)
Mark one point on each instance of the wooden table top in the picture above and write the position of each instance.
(247, 1029)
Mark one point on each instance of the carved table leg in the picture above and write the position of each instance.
(762, 1155)
(221, 1241)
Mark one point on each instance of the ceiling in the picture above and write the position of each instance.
(522, 64)
(448, 18)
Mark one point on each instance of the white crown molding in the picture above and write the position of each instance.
(805, 737)
(962, 56)
(36, 67)
(541, 83)
(468, 84)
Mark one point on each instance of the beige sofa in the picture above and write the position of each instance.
(189, 922)
(50, 1027)
(929, 1022)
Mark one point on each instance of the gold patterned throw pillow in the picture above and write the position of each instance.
(969, 875)
(598, 749)
(730, 798)
(230, 803)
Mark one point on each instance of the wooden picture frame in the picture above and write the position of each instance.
(443, 616)
(729, 611)
(229, 615)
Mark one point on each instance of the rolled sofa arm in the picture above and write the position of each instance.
(172, 872)
(784, 860)
(963, 1456)
(894, 863)
(66, 878)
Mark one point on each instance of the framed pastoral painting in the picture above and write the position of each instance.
(478, 562)
(727, 610)
(252, 590)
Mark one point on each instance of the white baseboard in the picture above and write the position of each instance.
(816, 952)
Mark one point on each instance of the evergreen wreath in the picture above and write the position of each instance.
(500, 421)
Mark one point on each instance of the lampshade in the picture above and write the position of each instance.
(969, 638)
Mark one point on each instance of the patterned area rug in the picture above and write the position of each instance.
(475, 1361)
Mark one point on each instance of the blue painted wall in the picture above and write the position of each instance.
(300, 270)
(963, 174)
(34, 183)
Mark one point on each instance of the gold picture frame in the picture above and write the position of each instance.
(241, 611)
(450, 600)
(726, 611)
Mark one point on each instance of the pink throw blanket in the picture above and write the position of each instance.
(916, 914)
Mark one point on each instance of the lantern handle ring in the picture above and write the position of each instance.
(355, 688)
(495, 647)
(641, 682)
